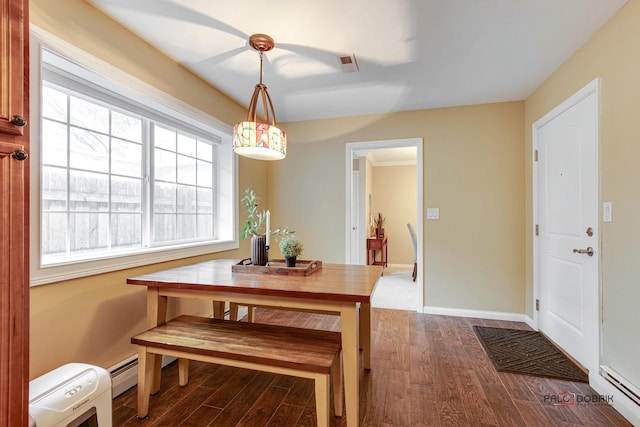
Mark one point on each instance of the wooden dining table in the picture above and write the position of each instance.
(338, 289)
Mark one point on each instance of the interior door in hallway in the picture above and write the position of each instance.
(568, 249)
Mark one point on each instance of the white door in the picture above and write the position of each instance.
(568, 228)
(355, 213)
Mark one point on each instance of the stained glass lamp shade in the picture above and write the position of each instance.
(253, 138)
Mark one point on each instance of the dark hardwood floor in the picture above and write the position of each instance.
(427, 370)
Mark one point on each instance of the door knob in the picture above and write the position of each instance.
(19, 121)
(588, 251)
(20, 155)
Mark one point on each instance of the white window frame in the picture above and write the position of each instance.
(138, 91)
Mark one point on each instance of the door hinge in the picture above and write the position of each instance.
(537, 230)
(537, 305)
(535, 155)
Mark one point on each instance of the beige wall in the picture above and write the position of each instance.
(473, 171)
(90, 320)
(611, 54)
(395, 196)
(303, 196)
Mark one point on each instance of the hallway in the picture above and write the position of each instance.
(396, 290)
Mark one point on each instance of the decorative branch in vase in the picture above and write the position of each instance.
(256, 220)
(379, 223)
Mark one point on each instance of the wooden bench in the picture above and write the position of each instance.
(306, 353)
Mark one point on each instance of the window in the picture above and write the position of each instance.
(92, 176)
(122, 174)
(183, 186)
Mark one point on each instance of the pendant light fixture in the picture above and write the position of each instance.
(253, 138)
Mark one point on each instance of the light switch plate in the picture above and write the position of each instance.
(433, 213)
(607, 213)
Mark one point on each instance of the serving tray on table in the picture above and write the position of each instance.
(278, 266)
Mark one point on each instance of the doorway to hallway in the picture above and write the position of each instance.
(360, 208)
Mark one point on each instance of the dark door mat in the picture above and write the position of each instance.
(527, 352)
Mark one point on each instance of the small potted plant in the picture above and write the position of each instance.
(290, 248)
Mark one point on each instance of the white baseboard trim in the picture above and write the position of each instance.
(124, 375)
(625, 406)
(482, 314)
(529, 321)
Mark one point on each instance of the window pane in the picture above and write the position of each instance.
(54, 189)
(89, 192)
(205, 200)
(165, 227)
(164, 165)
(205, 226)
(164, 138)
(53, 237)
(126, 127)
(205, 174)
(186, 170)
(186, 145)
(186, 227)
(126, 158)
(54, 104)
(186, 199)
(126, 194)
(205, 151)
(89, 150)
(89, 231)
(126, 230)
(54, 143)
(164, 197)
(89, 115)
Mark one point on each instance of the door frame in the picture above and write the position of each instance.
(355, 254)
(590, 88)
(350, 150)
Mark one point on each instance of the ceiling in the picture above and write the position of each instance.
(412, 54)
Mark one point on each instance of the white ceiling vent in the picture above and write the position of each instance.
(348, 63)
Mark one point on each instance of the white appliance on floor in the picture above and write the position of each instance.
(73, 395)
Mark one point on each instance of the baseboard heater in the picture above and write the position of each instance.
(124, 375)
(619, 382)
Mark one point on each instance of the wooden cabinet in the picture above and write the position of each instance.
(14, 54)
(14, 214)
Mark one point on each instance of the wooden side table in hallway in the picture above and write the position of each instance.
(377, 244)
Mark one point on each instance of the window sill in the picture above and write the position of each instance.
(74, 270)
